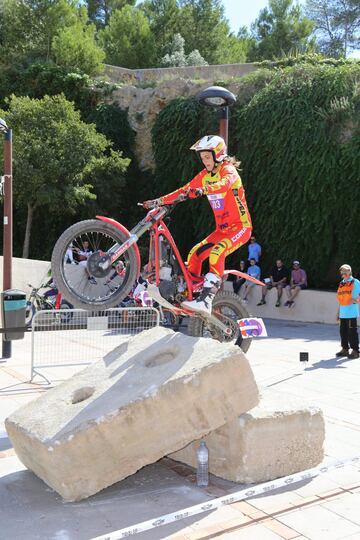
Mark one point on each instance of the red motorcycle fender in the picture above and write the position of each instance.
(118, 225)
(239, 274)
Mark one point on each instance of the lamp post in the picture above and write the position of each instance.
(6, 187)
(220, 98)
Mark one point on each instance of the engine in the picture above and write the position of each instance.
(172, 284)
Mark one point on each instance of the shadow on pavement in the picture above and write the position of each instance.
(332, 363)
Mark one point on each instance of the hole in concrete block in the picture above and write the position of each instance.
(160, 358)
(81, 394)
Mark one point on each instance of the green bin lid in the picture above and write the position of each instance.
(13, 294)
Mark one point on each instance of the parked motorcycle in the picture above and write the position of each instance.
(50, 299)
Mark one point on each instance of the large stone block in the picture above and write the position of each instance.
(149, 397)
(279, 437)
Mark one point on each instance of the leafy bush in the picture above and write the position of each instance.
(297, 133)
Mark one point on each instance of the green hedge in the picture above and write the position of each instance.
(297, 133)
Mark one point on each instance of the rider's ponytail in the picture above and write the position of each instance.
(232, 160)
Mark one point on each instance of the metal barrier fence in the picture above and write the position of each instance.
(73, 337)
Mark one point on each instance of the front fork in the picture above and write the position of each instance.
(117, 250)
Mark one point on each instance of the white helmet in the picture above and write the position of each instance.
(214, 144)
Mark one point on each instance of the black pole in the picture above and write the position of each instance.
(8, 227)
(224, 123)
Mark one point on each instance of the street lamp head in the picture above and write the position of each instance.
(3, 126)
(216, 96)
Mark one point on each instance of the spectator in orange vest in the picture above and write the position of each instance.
(348, 295)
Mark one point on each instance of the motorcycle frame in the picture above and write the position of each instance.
(154, 223)
(160, 229)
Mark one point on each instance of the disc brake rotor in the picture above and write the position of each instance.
(94, 261)
(229, 322)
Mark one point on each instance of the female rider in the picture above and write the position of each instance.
(222, 185)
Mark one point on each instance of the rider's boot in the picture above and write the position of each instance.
(203, 302)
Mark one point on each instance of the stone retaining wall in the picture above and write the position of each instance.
(120, 74)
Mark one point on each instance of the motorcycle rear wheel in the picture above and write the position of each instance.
(229, 309)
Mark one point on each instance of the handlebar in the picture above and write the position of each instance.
(181, 198)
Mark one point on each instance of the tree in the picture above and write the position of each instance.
(127, 40)
(336, 25)
(74, 47)
(234, 49)
(54, 153)
(163, 17)
(177, 57)
(201, 23)
(27, 27)
(99, 11)
(280, 29)
(204, 27)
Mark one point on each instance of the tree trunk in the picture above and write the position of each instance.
(29, 219)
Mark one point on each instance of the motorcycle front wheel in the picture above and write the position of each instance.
(88, 286)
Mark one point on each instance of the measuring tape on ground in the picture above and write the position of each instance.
(260, 489)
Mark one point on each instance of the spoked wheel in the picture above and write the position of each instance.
(228, 308)
(84, 282)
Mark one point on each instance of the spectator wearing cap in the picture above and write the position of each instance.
(254, 250)
(298, 281)
(279, 278)
(348, 312)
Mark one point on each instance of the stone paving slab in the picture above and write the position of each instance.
(325, 507)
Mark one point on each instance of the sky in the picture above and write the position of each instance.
(242, 12)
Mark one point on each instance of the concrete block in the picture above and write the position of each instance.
(149, 397)
(279, 437)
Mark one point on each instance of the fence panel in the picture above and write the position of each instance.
(76, 337)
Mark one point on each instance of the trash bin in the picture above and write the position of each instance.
(13, 307)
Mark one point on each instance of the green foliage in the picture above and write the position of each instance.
(27, 27)
(177, 127)
(99, 11)
(336, 25)
(279, 30)
(118, 199)
(163, 17)
(74, 47)
(201, 23)
(314, 59)
(127, 40)
(297, 133)
(177, 57)
(204, 27)
(45, 78)
(56, 155)
(234, 49)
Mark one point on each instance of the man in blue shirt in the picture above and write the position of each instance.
(254, 250)
(348, 295)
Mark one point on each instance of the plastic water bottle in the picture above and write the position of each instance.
(202, 473)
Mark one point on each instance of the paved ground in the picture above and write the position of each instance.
(326, 507)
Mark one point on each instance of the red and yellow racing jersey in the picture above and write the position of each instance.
(225, 193)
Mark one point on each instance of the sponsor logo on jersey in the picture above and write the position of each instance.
(238, 235)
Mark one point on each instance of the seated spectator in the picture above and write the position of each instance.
(83, 255)
(237, 283)
(254, 250)
(298, 281)
(254, 271)
(278, 278)
(69, 255)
